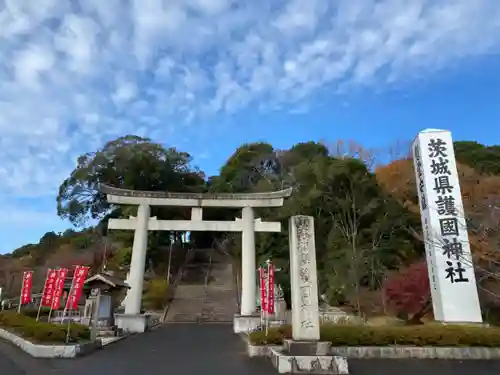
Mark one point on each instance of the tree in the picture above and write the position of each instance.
(481, 201)
(64, 256)
(367, 224)
(482, 158)
(355, 197)
(49, 239)
(408, 292)
(350, 149)
(326, 187)
(129, 162)
(365, 237)
(241, 171)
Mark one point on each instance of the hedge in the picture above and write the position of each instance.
(362, 335)
(32, 312)
(155, 296)
(42, 332)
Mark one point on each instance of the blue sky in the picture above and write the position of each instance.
(208, 75)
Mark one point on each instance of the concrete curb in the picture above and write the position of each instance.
(106, 341)
(314, 364)
(390, 352)
(370, 352)
(50, 351)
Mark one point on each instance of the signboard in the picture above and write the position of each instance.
(304, 282)
(59, 287)
(270, 288)
(26, 288)
(263, 287)
(49, 288)
(76, 287)
(449, 261)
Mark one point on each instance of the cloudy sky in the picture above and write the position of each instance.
(207, 75)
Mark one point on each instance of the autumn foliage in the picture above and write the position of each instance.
(408, 292)
(480, 195)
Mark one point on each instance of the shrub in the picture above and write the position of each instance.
(408, 292)
(155, 296)
(423, 335)
(32, 312)
(275, 336)
(29, 328)
(385, 321)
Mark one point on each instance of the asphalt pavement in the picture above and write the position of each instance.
(8, 366)
(192, 349)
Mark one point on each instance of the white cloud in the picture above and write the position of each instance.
(71, 79)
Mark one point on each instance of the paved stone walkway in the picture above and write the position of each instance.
(181, 349)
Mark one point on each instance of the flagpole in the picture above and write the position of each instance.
(268, 262)
(21, 294)
(43, 293)
(260, 298)
(67, 304)
(58, 281)
(52, 301)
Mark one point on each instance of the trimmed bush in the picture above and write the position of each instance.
(32, 312)
(422, 335)
(155, 295)
(275, 336)
(42, 332)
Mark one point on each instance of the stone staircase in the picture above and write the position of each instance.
(205, 293)
(219, 302)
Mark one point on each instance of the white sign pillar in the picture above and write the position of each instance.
(138, 261)
(449, 260)
(248, 277)
(304, 281)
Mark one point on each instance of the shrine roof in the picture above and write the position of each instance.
(113, 281)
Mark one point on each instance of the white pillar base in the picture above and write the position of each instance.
(132, 323)
(245, 324)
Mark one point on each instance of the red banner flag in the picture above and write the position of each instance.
(26, 288)
(270, 288)
(76, 287)
(263, 299)
(48, 288)
(59, 287)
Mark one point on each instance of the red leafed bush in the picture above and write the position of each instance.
(408, 292)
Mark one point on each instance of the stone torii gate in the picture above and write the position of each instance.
(133, 320)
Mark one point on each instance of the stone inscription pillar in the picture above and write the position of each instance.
(303, 277)
(248, 267)
(444, 226)
(138, 261)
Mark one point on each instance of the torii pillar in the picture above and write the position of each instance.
(248, 264)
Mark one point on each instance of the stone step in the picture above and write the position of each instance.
(105, 333)
(188, 318)
(213, 301)
(218, 319)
